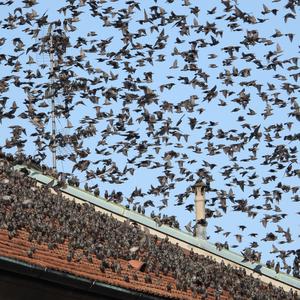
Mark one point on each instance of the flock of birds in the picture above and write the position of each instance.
(124, 113)
(100, 239)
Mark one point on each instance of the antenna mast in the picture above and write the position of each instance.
(53, 122)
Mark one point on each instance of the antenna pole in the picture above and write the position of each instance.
(53, 133)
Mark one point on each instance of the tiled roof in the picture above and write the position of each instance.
(46, 230)
(17, 248)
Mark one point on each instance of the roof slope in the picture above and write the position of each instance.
(185, 240)
(45, 229)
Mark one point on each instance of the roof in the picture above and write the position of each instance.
(17, 249)
(47, 230)
(185, 239)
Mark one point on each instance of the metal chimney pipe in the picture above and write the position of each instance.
(200, 210)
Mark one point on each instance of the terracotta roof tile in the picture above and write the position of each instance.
(18, 246)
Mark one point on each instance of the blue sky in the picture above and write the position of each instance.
(226, 114)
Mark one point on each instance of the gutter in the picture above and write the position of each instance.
(71, 281)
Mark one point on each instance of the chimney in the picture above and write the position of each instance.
(200, 210)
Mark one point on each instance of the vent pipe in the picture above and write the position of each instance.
(200, 210)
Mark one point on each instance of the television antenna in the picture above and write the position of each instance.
(53, 121)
